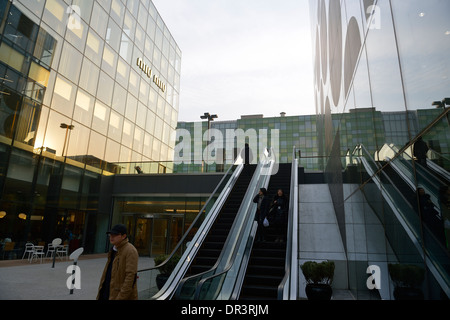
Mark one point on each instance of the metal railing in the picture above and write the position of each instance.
(288, 288)
(194, 235)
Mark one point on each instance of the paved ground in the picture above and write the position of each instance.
(21, 280)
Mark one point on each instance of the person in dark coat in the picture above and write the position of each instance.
(420, 150)
(430, 216)
(262, 209)
(280, 206)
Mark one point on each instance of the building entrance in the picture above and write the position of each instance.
(155, 234)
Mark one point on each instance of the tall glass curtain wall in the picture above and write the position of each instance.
(81, 87)
(378, 65)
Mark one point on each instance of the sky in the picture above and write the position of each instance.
(242, 57)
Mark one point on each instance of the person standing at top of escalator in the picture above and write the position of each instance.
(420, 150)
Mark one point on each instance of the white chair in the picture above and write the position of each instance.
(38, 252)
(50, 251)
(63, 251)
(28, 250)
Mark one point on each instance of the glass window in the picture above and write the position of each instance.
(94, 47)
(142, 16)
(112, 151)
(12, 58)
(138, 142)
(134, 82)
(117, 11)
(148, 49)
(113, 34)
(423, 33)
(133, 6)
(150, 123)
(55, 137)
(78, 142)
(129, 25)
(148, 145)
(105, 88)
(63, 96)
(143, 92)
(131, 108)
(100, 120)
(386, 86)
(54, 15)
(123, 72)
(89, 76)
(99, 20)
(70, 63)
(156, 58)
(128, 133)
(156, 152)
(109, 61)
(125, 154)
(85, 8)
(77, 35)
(151, 26)
(84, 107)
(141, 115)
(119, 98)
(140, 37)
(39, 141)
(97, 144)
(115, 126)
(126, 48)
(45, 48)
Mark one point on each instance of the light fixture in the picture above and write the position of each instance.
(2, 214)
(22, 216)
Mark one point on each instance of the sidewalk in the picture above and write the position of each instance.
(21, 280)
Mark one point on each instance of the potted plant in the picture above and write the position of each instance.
(166, 269)
(319, 276)
(408, 279)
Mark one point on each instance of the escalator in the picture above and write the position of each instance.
(400, 209)
(214, 241)
(266, 266)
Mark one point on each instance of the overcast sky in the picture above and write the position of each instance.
(242, 57)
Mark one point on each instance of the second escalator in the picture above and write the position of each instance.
(266, 266)
(213, 244)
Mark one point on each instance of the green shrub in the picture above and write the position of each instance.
(168, 267)
(406, 275)
(318, 272)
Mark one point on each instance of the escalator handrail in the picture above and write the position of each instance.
(406, 224)
(192, 224)
(243, 239)
(407, 157)
(198, 238)
(203, 273)
(288, 288)
(248, 216)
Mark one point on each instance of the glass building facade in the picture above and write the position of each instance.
(84, 85)
(381, 79)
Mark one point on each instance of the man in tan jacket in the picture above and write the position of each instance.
(118, 280)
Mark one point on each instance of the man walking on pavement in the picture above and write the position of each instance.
(118, 281)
